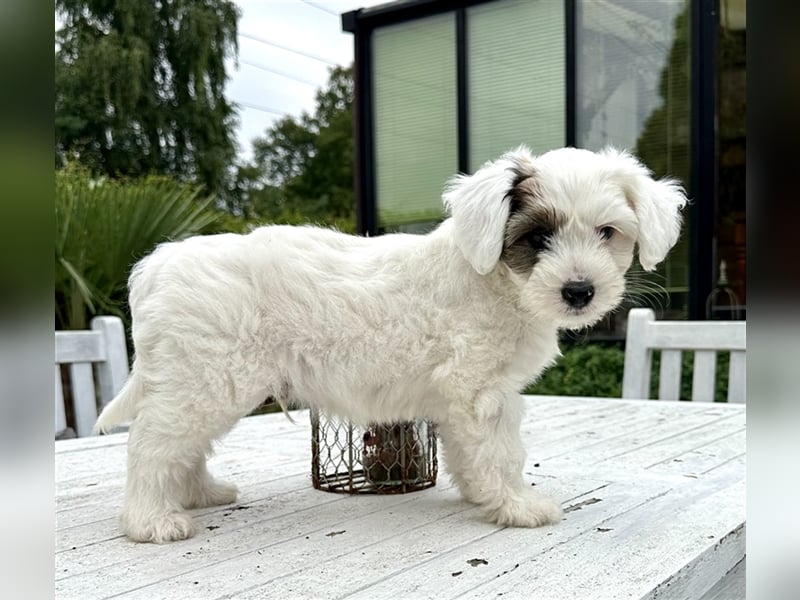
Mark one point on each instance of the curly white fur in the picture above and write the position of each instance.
(378, 329)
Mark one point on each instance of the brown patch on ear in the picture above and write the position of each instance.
(530, 223)
(525, 184)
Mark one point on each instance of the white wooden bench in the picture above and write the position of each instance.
(98, 355)
(704, 338)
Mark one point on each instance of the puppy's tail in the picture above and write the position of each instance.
(121, 408)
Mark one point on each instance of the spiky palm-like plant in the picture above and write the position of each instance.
(103, 227)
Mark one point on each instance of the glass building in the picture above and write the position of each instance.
(442, 86)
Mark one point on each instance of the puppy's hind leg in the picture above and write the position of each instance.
(203, 490)
(160, 461)
(485, 458)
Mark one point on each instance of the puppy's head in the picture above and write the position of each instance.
(565, 225)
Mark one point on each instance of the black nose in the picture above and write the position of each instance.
(577, 293)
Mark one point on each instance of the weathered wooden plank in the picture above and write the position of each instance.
(88, 445)
(83, 468)
(732, 586)
(705, 457)
(664, 449)
(104, 501)
(708, 569)
(704, 376)
(582, 416)
(574, 417)
(99, 553)
(552, 405)
(60, 411)
(396, 563)
(242, 471)
(669, 377)
(641, 438)
(594, 553)
(78, 466)
(84, 402)
(79, 346)
(113, 370)
(581, 403)
(686, 555)
(255, 432)
(737, 377)
(638, 357)
(355, 536)
(644, 417)
(690, 335)
(226, 465)
(88, 544)
(225, 553)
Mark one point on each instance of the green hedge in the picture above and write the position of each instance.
(584, 370)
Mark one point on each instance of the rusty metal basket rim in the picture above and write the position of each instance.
(346, 477)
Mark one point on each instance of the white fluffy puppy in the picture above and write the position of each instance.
(450, 326)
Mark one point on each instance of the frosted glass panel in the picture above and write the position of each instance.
(516, 77)
(416, 138)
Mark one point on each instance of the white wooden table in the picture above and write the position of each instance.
(654, 494)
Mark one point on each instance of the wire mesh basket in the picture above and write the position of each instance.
(394, 458)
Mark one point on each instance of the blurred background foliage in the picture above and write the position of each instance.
(140, 88)
(145, 147)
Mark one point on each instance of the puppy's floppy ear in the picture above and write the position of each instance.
(479, 206)
(657, 205)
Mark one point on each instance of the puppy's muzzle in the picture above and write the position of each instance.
(577, 293)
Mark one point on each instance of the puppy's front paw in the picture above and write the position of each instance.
(160, 529)
(527, 510)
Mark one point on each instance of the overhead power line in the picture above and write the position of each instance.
(281, 73)
(265, 109)
(322, 8)
(287, 49)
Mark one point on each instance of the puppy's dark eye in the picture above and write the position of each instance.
(606, 232)
(539, 239)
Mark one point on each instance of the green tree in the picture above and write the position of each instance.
(250, 196)
(303, 167)
(139, 87)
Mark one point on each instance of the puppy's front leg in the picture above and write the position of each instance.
(485, 457)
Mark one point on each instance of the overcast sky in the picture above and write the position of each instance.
(310, 27)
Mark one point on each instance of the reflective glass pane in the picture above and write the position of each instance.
(416, 138)
(516, 76)
(633, 92)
